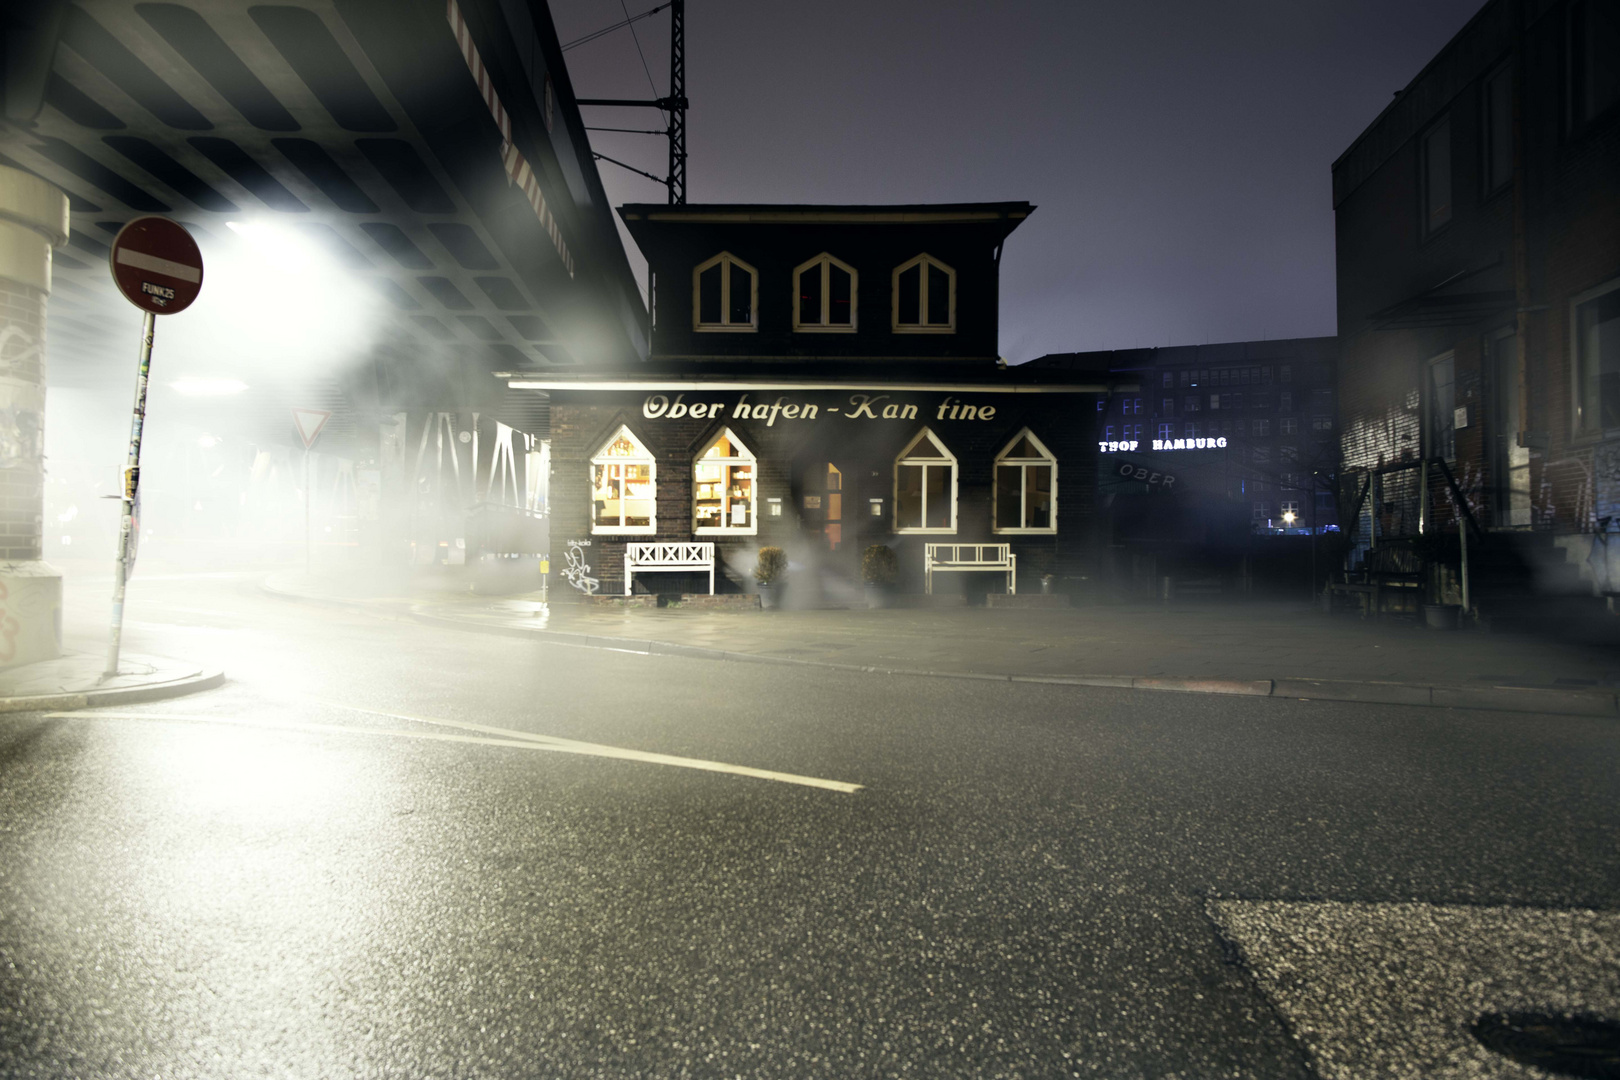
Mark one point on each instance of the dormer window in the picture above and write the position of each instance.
(824, 295)
(624, 494)
(924, 297)
(725, 295)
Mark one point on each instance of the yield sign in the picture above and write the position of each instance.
(309, 423)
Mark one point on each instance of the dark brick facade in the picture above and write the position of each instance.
(863, 449)
(1505, 266)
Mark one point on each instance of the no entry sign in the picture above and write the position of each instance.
(156, 265)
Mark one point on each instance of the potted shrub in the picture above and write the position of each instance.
(879, 569)
(768, 572)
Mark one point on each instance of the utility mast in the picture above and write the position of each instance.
(673, 105)
(677, 103)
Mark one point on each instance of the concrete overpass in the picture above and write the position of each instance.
(431, 149)
(394, 199)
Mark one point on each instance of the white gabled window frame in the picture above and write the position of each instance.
(822, 265)
(611, 478)
(910, 459)
(922, 326)
(717, 479)
(726, 261)
(1025, 467)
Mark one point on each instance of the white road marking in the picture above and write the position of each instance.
(1392, 990)
(521, 740)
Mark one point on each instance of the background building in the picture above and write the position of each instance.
(1478, 223)
(1215, 445)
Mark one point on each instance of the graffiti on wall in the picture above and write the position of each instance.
(578, 572)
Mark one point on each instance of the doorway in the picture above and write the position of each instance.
(823, 505)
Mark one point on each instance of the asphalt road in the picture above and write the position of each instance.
(385, 849)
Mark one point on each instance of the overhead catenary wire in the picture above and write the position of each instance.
(588, 38)
(628, 21)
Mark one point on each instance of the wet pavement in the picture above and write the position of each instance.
(388, 848)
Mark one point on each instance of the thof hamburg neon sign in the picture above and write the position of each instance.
(1163, 444)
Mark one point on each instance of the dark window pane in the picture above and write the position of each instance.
(1437, 176)
(838, 289)
(908, 497)
(810, 296)
(709, 296)
(939, 496)
(1009, 496)
(742, 296)
(1039, 501)
(1597, 345)
(910, 289)
(1498, 130)
(939, 297)
(925, 448)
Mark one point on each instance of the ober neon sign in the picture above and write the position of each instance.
(1127, 471)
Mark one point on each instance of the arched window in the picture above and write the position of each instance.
(925, 486)
(724, 492)
(824, 295)
(624, 489)
(725, 295)
(924, 297)
(1025, 487)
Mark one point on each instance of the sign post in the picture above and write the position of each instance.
(156, 265)
(309, 423)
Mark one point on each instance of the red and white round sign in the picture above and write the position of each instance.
(156, 265)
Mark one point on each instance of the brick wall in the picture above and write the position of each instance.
(864, 449)
(22, 418)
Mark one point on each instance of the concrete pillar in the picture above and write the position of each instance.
(33, 220)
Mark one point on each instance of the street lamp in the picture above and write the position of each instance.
(1288, 518)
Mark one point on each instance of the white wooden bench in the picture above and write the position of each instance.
(938, 558)
(664, 556)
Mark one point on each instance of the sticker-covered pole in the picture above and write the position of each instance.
(132, 480)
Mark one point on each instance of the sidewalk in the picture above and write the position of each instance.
(73, 681)
(1259, 647)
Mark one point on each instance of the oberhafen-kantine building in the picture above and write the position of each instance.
(821, 379)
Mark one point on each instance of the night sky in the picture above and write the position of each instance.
(1179, 151)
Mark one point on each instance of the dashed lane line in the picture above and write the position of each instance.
(515, 739)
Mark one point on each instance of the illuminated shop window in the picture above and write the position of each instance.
(725, 295)
(824, 295)
(1025, 487)
(924, 297)
(623, 489)
(723, 487)
(925, 486)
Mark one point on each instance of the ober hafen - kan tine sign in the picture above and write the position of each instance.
(861, 407)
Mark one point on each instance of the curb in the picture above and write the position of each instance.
(1488, 698)
(123, 695)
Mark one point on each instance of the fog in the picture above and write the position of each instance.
(280, 323)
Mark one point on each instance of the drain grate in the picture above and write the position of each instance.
(1585, 1047)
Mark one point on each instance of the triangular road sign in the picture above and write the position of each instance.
(309, 423)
